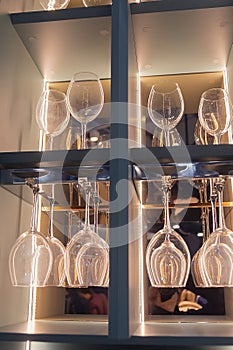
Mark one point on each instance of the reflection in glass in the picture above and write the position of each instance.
(158, 139)
(88, 3)
(51, 5)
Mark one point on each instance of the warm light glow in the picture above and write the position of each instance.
(139, 126)
(28, 345)
(176, 226)
(226, 87)
(94, 139)
(31, 305)
(225, 79)
(141, 265)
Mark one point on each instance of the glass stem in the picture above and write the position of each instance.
(166, 193)
(217, 139)
(84, 131)
(87, 208)
(33, 224)
(96, 208)
(50, 143)
(167, 137)
(51, 212)
(70, 214)
(213, 198)
(222, 224)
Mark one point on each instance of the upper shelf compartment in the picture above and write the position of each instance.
(66, 41)
(182, 36)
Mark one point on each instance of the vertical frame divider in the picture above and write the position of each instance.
(119, 174)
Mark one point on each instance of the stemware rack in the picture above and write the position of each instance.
(147, 163)
(126, 312)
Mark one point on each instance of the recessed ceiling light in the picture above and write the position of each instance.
(176, 226)
(146, 29)
(94, 139)
(32, 38)
(104, 32)
(147, 66)
(200, 234)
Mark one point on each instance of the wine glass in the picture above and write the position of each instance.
(85, 99)
(57, 275)
(52, 5)
(158, 139)
(52, 114)
(167, 255)
(166, 106)
(87, 255)
(30, 259)
(198, 275)
(217, 252)
(88, 3)
(215, 112)
(201, 137)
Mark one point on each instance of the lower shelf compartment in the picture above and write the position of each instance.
(68, 328)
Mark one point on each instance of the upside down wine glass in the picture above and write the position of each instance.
(166, 106)
(87, 254)
(57, 275)
(167, 255)
(85, 99)
(216, 255)
(30, 260)
(215, 112)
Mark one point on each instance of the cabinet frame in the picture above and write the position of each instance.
(120, 162)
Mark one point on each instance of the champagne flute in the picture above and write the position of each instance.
(167, 255)
(166, 106)
(52, 114)
(215, 112)
(52, 5)
(30, 260)
(85, 99)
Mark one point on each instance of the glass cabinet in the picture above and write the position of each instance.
(130, 46)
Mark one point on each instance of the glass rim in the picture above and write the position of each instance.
(58, 92)
(85, 73)
(176, 87)
(225, 94)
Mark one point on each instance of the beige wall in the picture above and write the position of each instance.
(20, 86)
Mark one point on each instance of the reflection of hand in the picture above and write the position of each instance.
(184, 306)
(188, 301)
(168, 305)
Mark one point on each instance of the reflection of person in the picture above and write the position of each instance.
(163, 301)
(174, 301)
(98, 302)
(86, 301)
